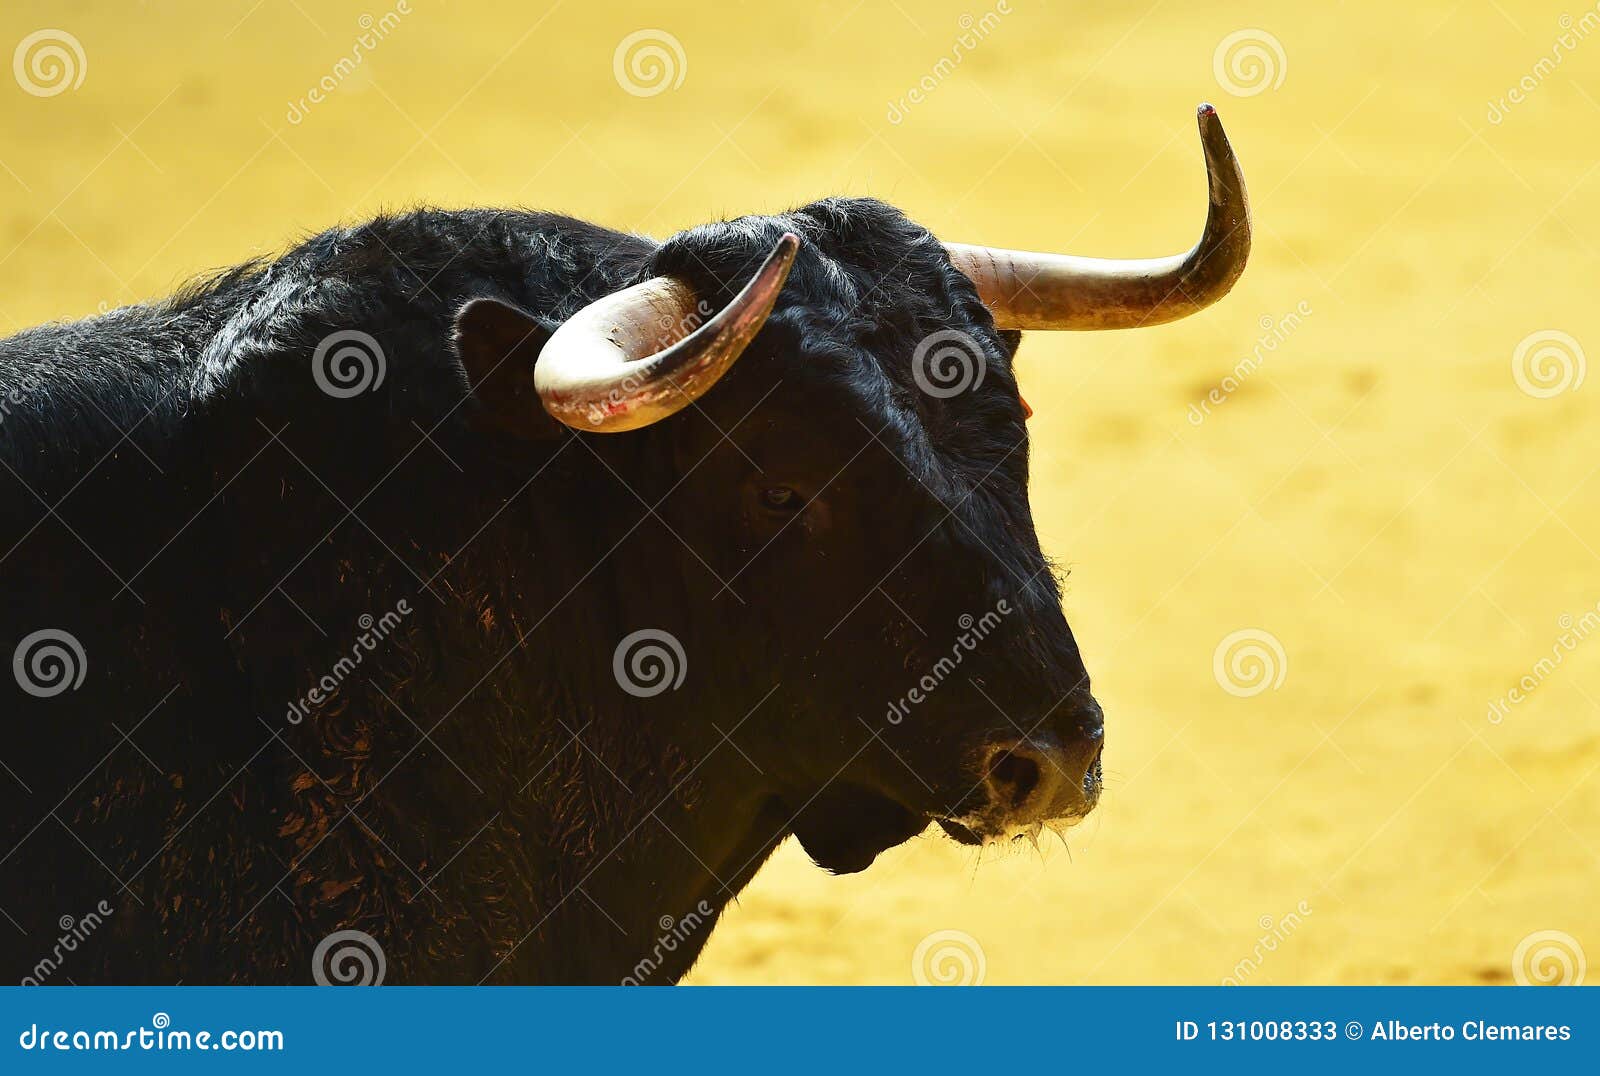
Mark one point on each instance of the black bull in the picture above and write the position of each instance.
(319, 624)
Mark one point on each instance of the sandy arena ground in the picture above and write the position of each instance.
(1379, 497)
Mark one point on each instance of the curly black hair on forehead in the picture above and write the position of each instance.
(872, 286)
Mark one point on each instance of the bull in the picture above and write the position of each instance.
(482, 596)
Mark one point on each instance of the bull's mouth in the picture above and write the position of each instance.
(958, 832)
(1024, 787)
(846, 828)
(962, 833)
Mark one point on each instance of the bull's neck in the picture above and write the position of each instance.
(645, 913)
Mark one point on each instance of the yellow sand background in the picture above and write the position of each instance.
(1380, 496)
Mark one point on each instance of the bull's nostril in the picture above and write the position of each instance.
(1014, 777)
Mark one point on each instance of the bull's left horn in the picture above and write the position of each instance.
(613, 366)
(1058, 291)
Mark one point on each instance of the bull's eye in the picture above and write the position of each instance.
(780, 499)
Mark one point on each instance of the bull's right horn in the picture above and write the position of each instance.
(606, 370)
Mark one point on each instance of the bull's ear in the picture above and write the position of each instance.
(498, 344)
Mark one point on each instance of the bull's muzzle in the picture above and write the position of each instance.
(1048, 778)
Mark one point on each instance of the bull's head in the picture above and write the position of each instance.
(862, 472)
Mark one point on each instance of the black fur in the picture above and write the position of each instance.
(477, 792)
